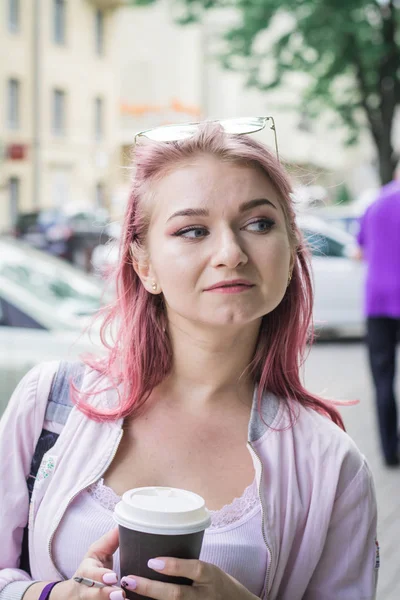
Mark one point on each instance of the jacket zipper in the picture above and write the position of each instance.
(263, 524)
(73, 498)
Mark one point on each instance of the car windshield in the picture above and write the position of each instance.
(49, 280)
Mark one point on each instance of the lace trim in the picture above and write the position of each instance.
(228, 514)
(238, 508)
(103, 494)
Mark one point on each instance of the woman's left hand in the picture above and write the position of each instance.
(209, 582)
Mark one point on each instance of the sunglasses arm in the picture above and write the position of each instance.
(273, 128)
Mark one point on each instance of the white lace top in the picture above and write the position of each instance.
(233, 542)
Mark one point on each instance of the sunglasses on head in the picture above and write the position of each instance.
(182, 131)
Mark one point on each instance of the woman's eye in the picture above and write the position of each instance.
(192, 232)
(261, 225)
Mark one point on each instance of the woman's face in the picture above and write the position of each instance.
(213, 223)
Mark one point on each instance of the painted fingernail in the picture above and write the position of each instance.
(117, 595)
(110, 578)
(129, 583)
(155, 563)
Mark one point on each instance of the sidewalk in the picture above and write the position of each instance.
(340, 371)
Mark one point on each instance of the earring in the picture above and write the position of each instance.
(289, 279)
(154, 286)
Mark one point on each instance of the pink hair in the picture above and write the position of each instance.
(140, 356)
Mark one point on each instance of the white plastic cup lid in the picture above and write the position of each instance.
(162, 510)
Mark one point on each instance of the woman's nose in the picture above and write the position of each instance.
(229, 252)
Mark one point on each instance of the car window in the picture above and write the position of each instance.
(26, 222)
(53, 289)
(11, 316)
(323, 245)
(82, 222)
(51, 217)
(60, 287)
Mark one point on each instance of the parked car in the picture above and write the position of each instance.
(71, 235)
(338, 278)
(45, 306)
(347, 216)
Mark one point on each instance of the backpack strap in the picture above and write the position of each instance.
(59, 406)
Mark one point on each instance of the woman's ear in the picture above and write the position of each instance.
(142, 267)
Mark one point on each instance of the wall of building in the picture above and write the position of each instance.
(15, 62)
(74, 164)
(160, 69)
(160, 78)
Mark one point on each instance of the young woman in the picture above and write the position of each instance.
(199, 390)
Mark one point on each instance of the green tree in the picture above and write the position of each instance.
(349, 49)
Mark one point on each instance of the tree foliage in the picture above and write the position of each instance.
(350, 50)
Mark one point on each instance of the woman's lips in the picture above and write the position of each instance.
(235, 288)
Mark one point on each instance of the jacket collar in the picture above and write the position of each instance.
(262, 417)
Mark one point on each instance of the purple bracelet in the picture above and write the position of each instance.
(46, 591)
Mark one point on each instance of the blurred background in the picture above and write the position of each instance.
(78, 79)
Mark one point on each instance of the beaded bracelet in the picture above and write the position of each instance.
(46, 591)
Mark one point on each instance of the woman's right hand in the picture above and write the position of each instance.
(97, 565)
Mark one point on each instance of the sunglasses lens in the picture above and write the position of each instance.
(171, 133)
(243, 125)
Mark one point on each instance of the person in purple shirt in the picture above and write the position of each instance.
(379, 240)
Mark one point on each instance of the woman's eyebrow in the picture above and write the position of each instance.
(190, 212)
(202, 212)
(254, 203)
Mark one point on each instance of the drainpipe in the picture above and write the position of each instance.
(36, 112)
(204, 66)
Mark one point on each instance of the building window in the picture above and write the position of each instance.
(99, 31)
(13, 100)
(59, 21)
(59, 119)
(100, 195)
(13, 15)
(98, 119)
(14, 198)
(60, 185)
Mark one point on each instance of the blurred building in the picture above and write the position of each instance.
(161, 77)
(78, 79)
(177, 77)
(59, 104)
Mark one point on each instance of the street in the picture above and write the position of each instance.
(339, 370)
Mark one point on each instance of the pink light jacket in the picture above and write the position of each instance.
(316, 491)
